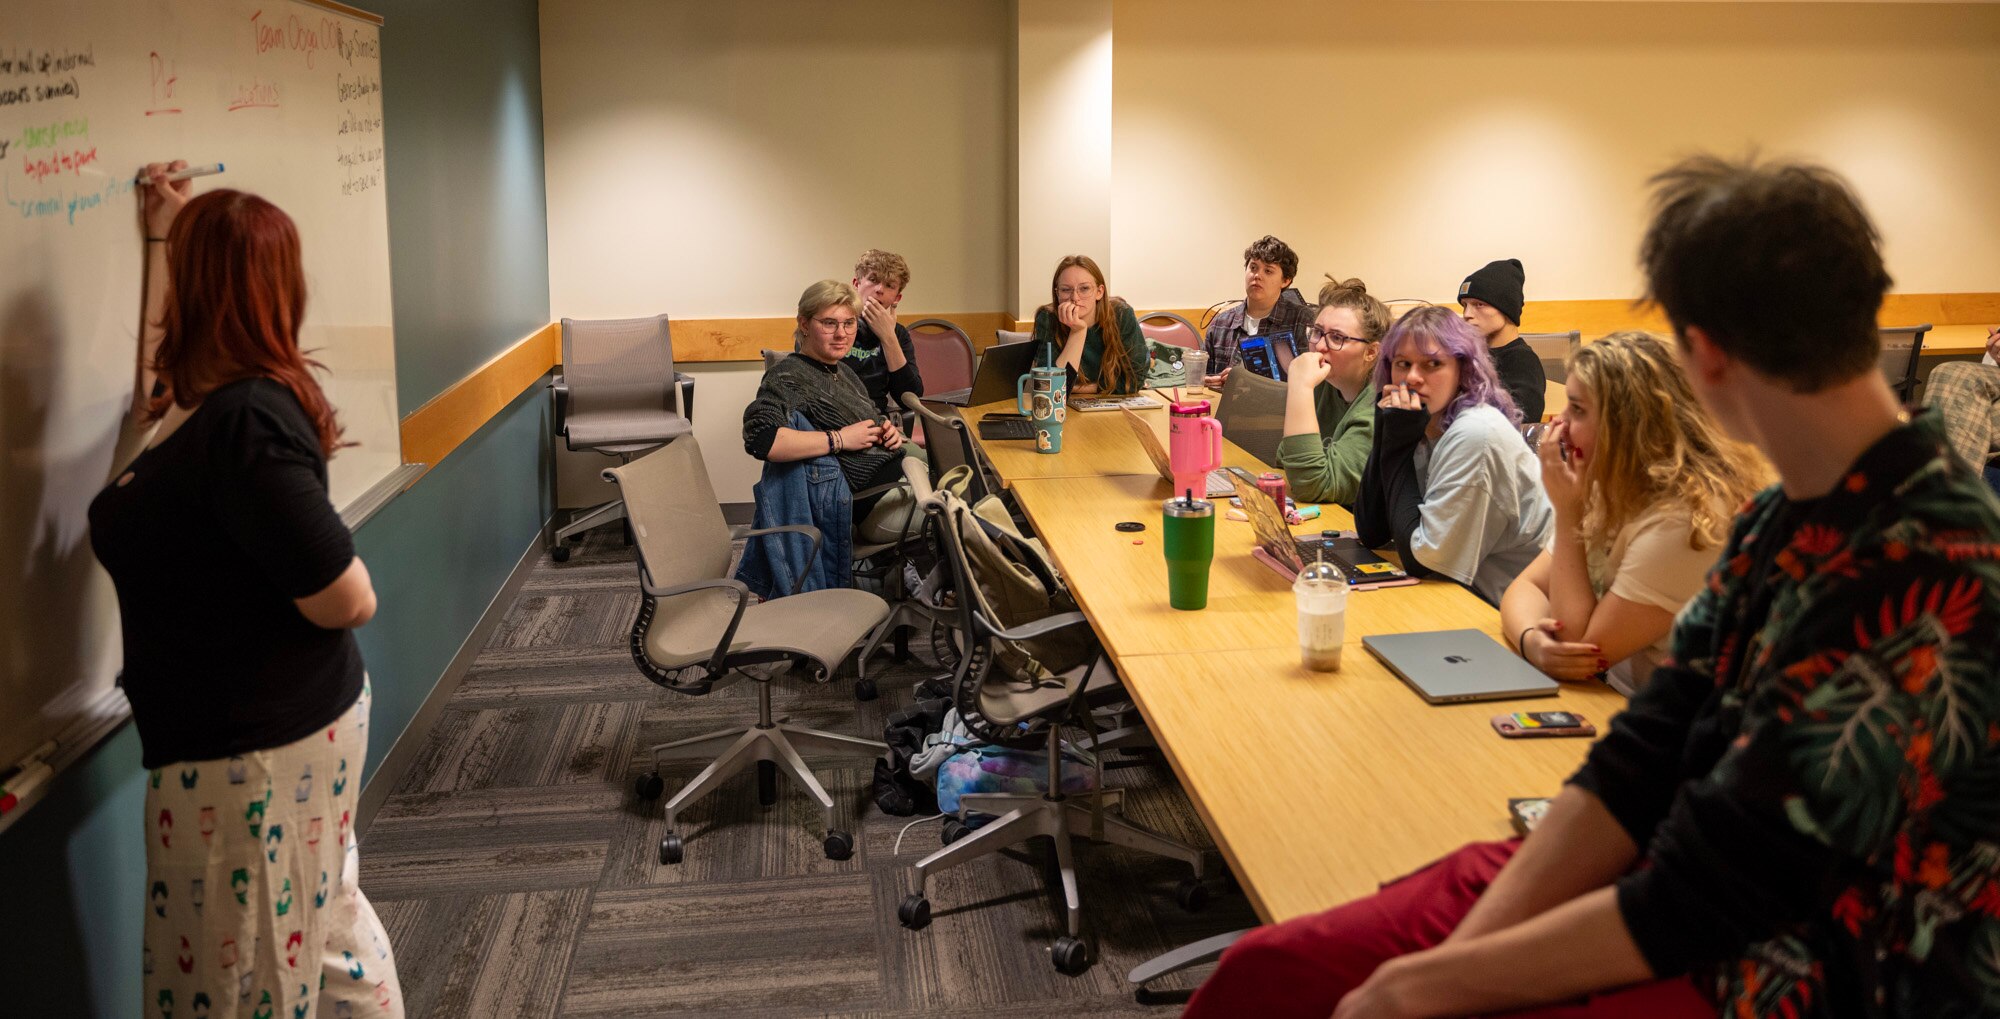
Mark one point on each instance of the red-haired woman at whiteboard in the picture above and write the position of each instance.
(238, 591)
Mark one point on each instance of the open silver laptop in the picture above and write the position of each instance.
(998, 378)
(1450, 666)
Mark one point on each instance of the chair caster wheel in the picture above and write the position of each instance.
(650, 786)
(864, 690)
(671, 848)
(1070, 955)
(1192, 895)
(954, 829)
(838, 845)
(560, 553)
(914, 912)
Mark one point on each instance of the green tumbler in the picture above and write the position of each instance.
(1189, 526)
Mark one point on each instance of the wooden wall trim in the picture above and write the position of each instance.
(433, 430)
(700, 340)
(1598, 317)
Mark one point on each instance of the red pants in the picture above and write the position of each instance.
(1303, 967)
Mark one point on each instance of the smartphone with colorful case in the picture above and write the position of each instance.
(1531, 724)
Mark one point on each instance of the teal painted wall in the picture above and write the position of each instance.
(469, 267)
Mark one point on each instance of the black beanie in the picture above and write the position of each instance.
(1498, 284)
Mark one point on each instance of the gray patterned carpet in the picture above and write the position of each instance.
(517, 871)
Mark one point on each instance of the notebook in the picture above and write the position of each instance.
(1451, 666)
(1287, 553)
(999, 376)
(1221, 481)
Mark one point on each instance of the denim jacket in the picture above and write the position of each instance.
(810, 492)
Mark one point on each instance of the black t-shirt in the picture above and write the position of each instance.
(1520, 371)
(209, 538)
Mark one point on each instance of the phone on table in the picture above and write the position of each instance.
(1530, 724)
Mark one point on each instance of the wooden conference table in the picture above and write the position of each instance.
(1317, 787)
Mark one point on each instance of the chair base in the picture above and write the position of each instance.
(1184, 957)
(1056, 817)
(596, 516)
(766, 742)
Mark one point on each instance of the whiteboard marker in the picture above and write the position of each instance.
(187, 174)
(23, 784)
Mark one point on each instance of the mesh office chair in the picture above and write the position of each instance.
(617, 395)
(1902, 346)
(1028, 666)
(696, 628)
(1167, 327)
(1252, 413)
(1555, 350)
(1010, 336)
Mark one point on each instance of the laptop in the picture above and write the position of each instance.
(1287, 553)
(999, 376)
(1453, 666)
(1221, 481)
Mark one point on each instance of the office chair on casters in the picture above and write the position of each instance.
(1902, 347)
(1555, 350)
(1251, 411)
(696, 628)
(1027, 670)
(618, 394)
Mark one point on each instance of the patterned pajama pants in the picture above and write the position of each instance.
(1969, 395)
(252, 867)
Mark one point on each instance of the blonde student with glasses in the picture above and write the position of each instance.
(1094, 335)
(1643, 485)
(1330, 396)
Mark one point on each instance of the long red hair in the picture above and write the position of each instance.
(236, 295)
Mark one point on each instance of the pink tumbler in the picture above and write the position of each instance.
(1194, 441)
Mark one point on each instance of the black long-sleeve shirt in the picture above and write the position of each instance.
(1522, 375)
(885, 387)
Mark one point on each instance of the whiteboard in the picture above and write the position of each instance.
(286, 95)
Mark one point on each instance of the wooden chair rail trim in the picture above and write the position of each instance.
(432, 431)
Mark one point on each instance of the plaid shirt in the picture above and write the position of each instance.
(1226, 332)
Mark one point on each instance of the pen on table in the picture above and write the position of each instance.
(187, 174)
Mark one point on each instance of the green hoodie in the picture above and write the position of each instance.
(1327, 467)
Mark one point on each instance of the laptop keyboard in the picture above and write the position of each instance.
(1006, 428)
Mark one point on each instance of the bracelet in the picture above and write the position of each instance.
(829, 442)
(1522, 641)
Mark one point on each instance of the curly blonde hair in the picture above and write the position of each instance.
(884, 267)
(1656, 444)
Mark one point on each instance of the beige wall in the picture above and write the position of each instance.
(1419, 140)
(1063, 176)
(711, 159)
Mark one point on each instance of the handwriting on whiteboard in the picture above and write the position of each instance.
(310, 38)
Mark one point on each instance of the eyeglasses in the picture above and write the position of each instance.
(838, 325)
(1071, 293)
(1331, 339)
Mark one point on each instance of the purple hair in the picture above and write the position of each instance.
(1436, 326)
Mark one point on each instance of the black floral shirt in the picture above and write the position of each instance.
(1815, 777)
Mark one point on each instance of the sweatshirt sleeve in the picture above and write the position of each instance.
(769, 411)
(1327, 467)
(905, 379)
